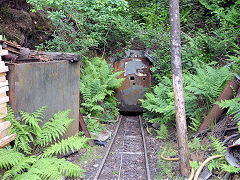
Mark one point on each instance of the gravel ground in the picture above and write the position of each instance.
(126, 158)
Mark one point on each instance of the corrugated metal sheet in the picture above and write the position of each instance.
(54, 84)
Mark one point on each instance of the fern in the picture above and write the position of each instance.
(208, 83)
(233, 106)
(33, 119)
(161, 102)
(64, 146)
(195, 123)
(24, 136)
(53, 168)
(218, 148)
(230, 169)
(20, 167)
(45, 165)
(28, 175)
(54, 128)
(194, 164)
(97, 88)
(162, 132)
(9, 158)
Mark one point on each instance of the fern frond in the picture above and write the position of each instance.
(9, 158)
(230, 169)
(218, 146)
(11, 116)
(20, 167)
(99, 83)
(54, 128)
(53, 168)
(39, 114)
(33, 119)
(208, 82)
(233, 106)
(69, 169)
(64, 146)
(24, 136)
(28, 175)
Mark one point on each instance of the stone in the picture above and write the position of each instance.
(95, 165)
(103, 136)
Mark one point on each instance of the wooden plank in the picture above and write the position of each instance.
(3, 94)
(2, 64)
(4, 69)
(4, 89)
(3, 74)
(6, 140)
(4, 83)
(3, 105)
(83, 126)
(3, 112)
(4, 126)
(0, 47)
(3, 52)
(2, 77)
(4, 99)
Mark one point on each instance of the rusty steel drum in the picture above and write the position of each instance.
(136, 71)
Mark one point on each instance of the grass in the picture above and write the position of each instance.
(90, 155)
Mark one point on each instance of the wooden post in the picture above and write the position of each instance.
(83, 125)
(178, 87)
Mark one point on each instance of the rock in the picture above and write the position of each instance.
(103, 136)
(95, 165)
(156, 125)
(205, 174)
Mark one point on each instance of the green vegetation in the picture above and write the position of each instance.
(97, 85)
(83, 25)
(167, 167)
(210, 56)
(35, 151)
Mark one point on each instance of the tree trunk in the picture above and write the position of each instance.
(178, 87)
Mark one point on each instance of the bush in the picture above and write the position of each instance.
(83, 25)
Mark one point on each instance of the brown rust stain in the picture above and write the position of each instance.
(144, 81)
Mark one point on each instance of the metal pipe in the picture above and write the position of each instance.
(216, 111)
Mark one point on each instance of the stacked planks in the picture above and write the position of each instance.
(5, 139)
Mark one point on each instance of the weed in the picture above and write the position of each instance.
(167, 167)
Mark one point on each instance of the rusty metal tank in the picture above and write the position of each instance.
(136, 71)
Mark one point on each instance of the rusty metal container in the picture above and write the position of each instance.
(53, 83)
(136, 68)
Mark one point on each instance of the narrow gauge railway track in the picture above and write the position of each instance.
(126, 156)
